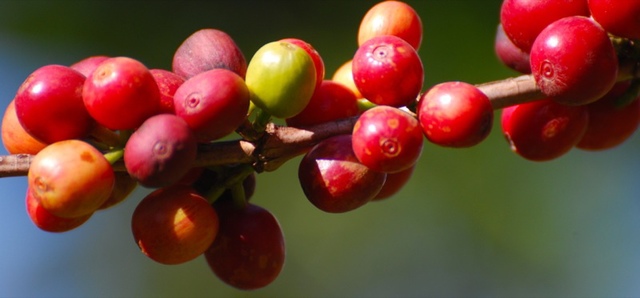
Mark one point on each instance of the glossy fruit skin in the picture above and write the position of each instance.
(509, 54)
(455, 114)
(46, 221)
(331, 101)
(387, 139)
(15, 139)
(315, 56)
(388, 71)
(213, 103)
(610, 124)
(523, 20)
(174, 225)
(70, 178)
(168, 82)
(49, 105)
(334, 180)
(249, 251)
(281, 78)
(391, 18)
(121, 93)
(543, 130)
(87, 65)
(618, 17)
(208, 49)
(573, 61)
(161, 151)
(344, 76)
(394, 183)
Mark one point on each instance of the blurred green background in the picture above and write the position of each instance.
(478, 222)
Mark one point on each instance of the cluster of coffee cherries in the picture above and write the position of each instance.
(104, 125)
(583, 56)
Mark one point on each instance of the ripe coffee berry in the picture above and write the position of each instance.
(330, 101)
(15, 139)
(174, 225)
(455, 114)
(573, 61)
(391, 18)
(249, 250)
(161, 151)
(543, 130)
(388, 71)
(213, 103)
(523, 20)
(611, 122)
(620, 17)
(208, 49)
(70, 178)
(387, 139)
(509, 54)
(334, 180)
(121, 93)
(49, 105)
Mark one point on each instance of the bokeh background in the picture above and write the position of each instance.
(472, 222)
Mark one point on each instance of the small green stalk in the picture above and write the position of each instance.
(261, 120)
(365, 104)
(229, 180)
(114, 155)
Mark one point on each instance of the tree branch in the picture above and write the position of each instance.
(281, 143)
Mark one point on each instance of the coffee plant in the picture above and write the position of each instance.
(199, 134)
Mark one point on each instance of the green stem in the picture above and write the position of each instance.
(229, 178)
(261, 120)
(364, 104)
(238, 196)
(114, 155)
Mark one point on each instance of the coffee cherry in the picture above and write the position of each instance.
(213, 103)
(315, 56)
(87, 65)
(391, 18)
(611, 122)
(161, 151)
(121, 93)
(455, 114)
(387, 139)
(523, 20)
(123, 186)
(168, 82)
(573, 61)
(46, 221)
(249, 251)
(388, 71)
(619, 17)
(208, 49)
(174, 225)
(334, 180)
(330, 101)
(394, 183)
(14, 138)
(281, 78)
(543, 130)
(344, 76)
(49, 105)
(509, 54)
(70, 178)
